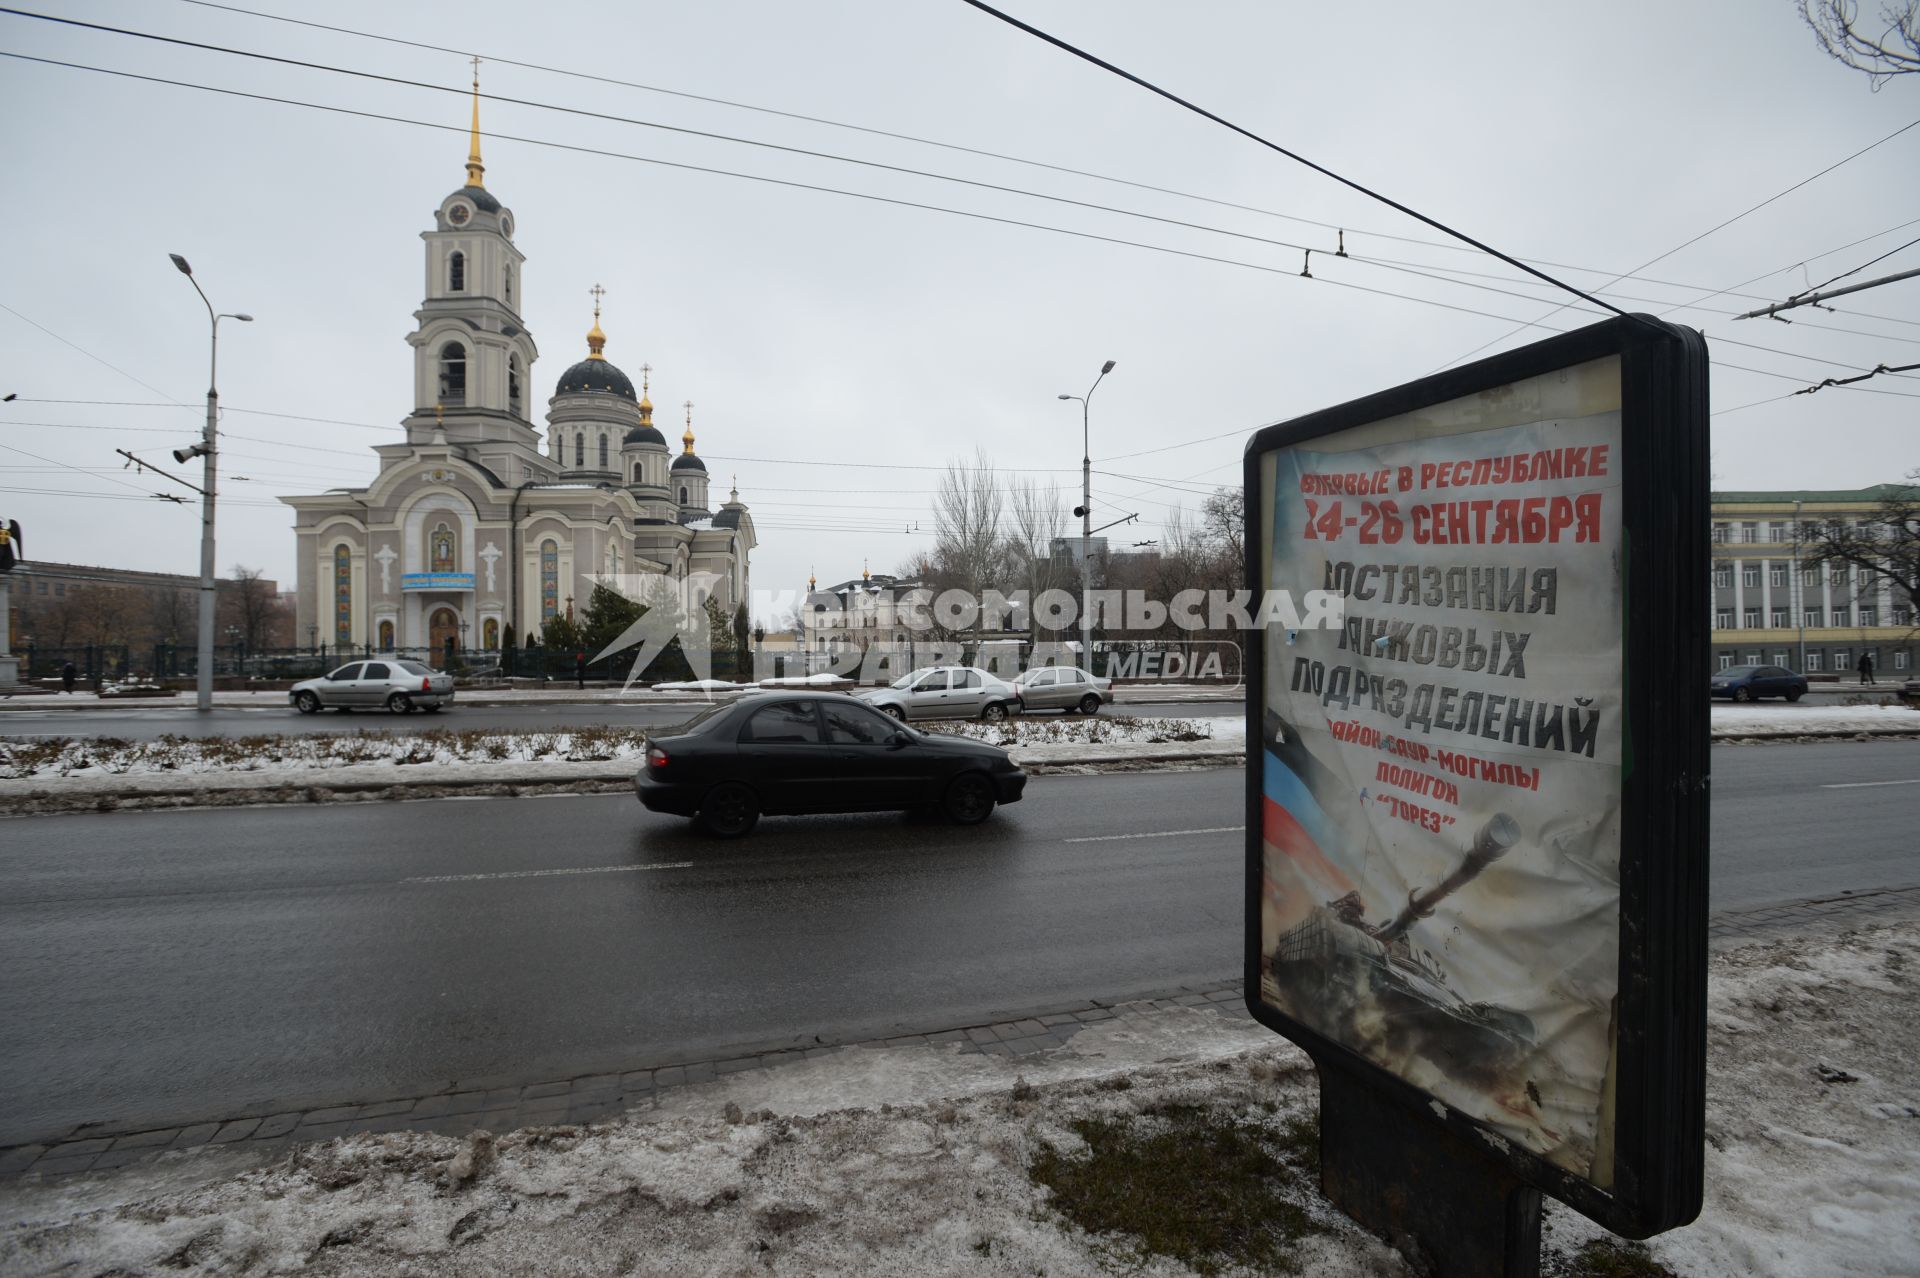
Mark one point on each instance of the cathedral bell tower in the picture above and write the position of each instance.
(472, 355)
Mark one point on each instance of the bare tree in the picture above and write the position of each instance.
(1036, 521)
(1883, 549)
(252, 604)
(1894, 50)
(170, 614)
(1223, 520)
(968, 510)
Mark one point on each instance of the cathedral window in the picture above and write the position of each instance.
(457, 273)
(453, 373)
(579, 450)
(342, 596)
(507, 283)
(603, 452)
(636, 472)
(440, 554)
(683, 494)
(513, 386)
(549, 581)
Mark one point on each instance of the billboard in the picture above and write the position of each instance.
(1464, 818)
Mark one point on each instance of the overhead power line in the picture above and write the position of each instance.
(1809, 299)
(1291, 155)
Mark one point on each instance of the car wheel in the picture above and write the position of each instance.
(307, 703)
(897, 713)
(399, 703)
(1089, 704)
(993, 712)
(730, 810)
(1795, 696)
(1742, 694)
(969, 799)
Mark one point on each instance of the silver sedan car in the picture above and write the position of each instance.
(388, 684)
(1067, 688)
(946, 692)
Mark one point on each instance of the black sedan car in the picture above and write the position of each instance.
(1750, 683)
(783, 753)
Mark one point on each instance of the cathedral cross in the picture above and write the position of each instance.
(598, 293)
(476, 71)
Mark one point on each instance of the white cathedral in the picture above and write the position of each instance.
(470, 526)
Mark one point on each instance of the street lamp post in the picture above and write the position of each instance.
(203, 677)
(1086, 520)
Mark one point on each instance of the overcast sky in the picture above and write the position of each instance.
(839, 350)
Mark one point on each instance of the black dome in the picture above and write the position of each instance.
(481, 197)
(727, 519)
(687, 461)
(645, 435)
(591, 375)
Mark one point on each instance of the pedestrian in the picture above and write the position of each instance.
(580, 668)
(67, 675)
(1866, 667)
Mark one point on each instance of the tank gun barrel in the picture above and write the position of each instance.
(1491, 843)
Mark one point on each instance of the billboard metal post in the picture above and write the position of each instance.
(1476, 803)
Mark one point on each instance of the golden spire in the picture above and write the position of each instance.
(687, 438)
(811, 583)
(474, 167)
(596, 340)
(646, 405)
(864, 574)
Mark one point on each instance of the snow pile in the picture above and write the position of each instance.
(700, 685)
(916, 1160)
(198, 756)
(824, 679)
(1786, 720)
(1025, 731)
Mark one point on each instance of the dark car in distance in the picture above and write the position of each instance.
(1750, 683)
(790, 753)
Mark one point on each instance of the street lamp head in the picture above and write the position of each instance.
(242, 316)
(1106, 368)
(1068, 397)
(181, 262)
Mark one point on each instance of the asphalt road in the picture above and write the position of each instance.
(146, 723)
(163, 967)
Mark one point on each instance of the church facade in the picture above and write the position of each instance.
(477, 522)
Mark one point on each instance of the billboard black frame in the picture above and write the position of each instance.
(1660, 1072)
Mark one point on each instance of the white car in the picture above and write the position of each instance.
(1066, 688)
(947, 692)
(396, 686)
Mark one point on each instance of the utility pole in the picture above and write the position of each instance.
(1086, 520)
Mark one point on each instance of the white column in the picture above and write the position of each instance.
(1739, 595)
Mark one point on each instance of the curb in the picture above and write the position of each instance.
(504, 1103)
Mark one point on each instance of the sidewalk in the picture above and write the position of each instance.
(557, 694)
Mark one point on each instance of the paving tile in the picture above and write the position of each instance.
(737, 1065)
(671, 1076)
(62, 1166)
(97, 1145)
(146, 1140)
(1060, 1018)
(539, 1091)
(198, 1134)
(276, 1125)
(944, 1036)
(636, 1080)
(1029, 1026)
(463, 1102)
(818, 1053)
(1190, 1000)
(430, 1106)
(239, 1129)
(996, 1049)
(382, 1108)
(700, 1072)
(121, 1157)
(331, 1114)
(596, 1083)
(380, 1123)
(908, 1040)
(496, 1096)
(1226, 996)
(19, 1158)
(320, 1131)
(982, 1034)
(1029, 1046)
(1095, 1014)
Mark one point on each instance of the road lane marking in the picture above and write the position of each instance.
(539, 874)
(1155, 834)
(1863, 785)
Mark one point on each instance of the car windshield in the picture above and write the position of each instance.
(413, 667)
(698, 723)
(904, 680)
(1735, 672)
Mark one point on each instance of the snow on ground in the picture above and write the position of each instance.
(917, 1161)
(1767, 717)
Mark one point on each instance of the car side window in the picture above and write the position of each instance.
(375, 670)
(1073, 676)
(1045, 679)
(789, 723)
(854, 725)
(966, 678)
(344, 674)
(935, 682)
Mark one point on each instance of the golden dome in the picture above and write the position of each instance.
(596, 340)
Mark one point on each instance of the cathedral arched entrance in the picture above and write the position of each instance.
(443, 626)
